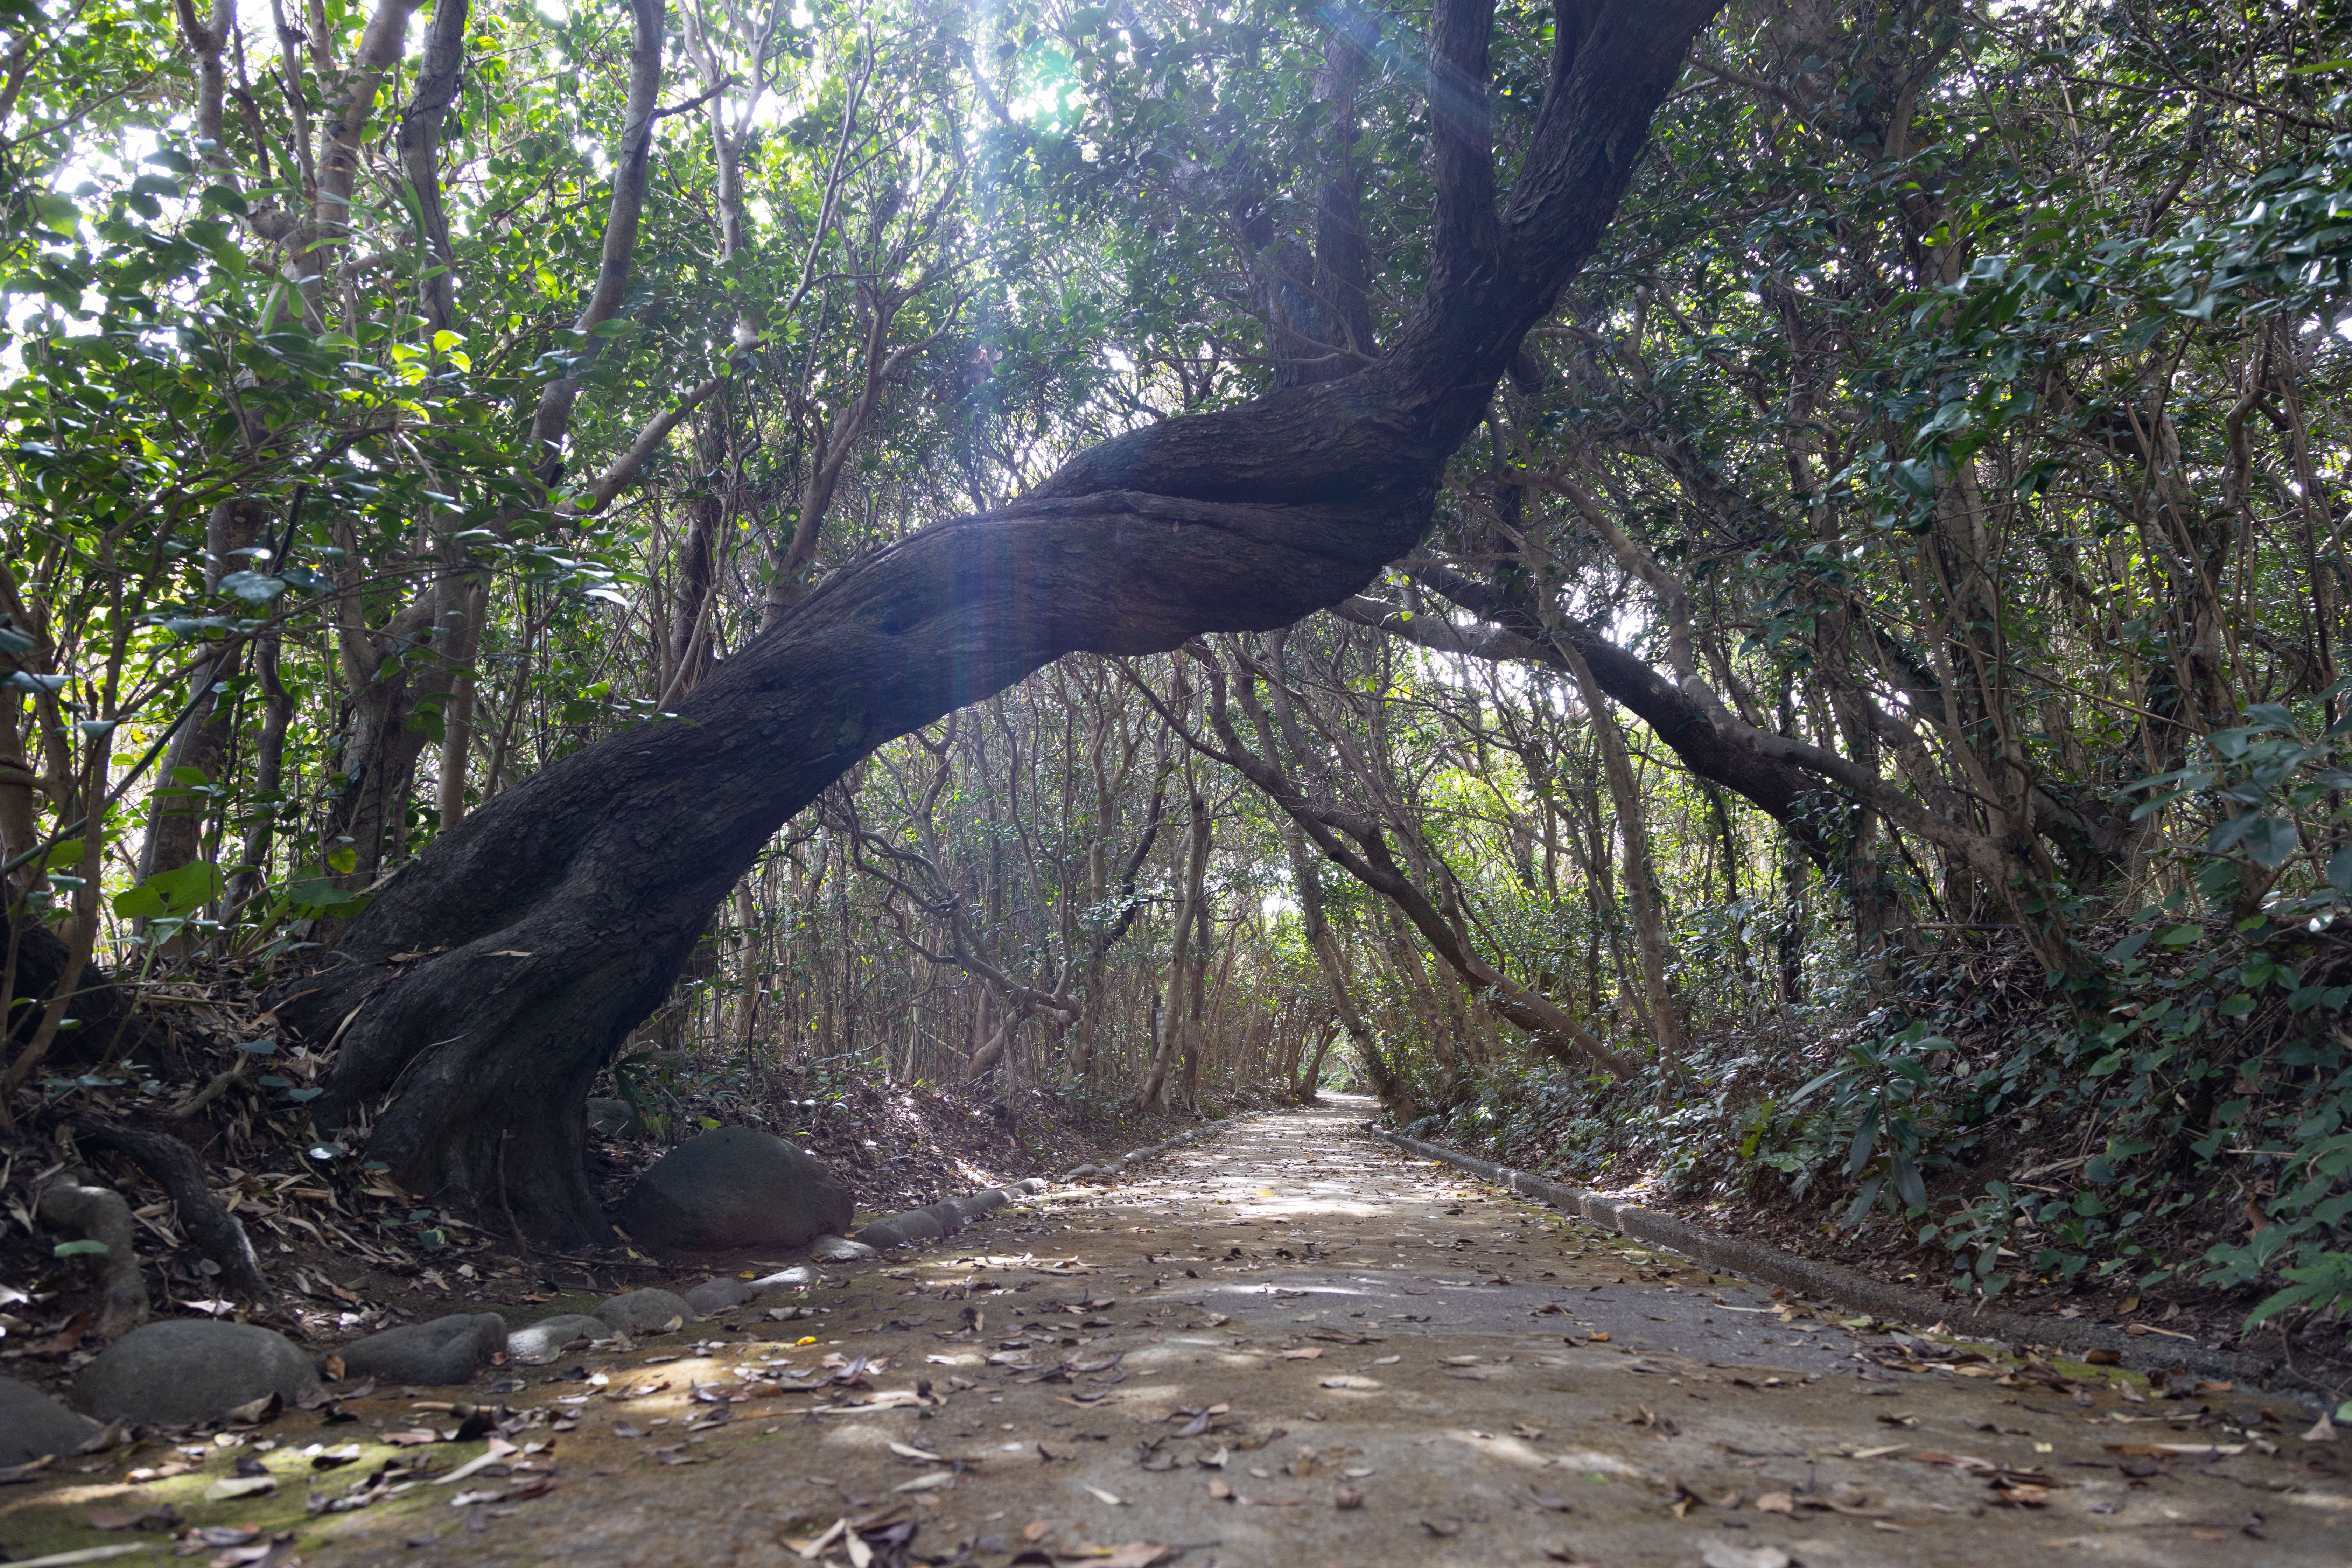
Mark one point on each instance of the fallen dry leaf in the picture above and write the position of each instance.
(1776, 1502)
(239, 1486)
(809, 1548)
(1717, 1552)
(1113, 1498)
(1311, 1353)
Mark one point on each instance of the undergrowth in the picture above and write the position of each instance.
(2169, 1116)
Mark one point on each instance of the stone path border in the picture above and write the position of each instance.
(1850, 1288)
(945, 1217)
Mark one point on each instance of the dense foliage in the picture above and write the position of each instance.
(1870, 718)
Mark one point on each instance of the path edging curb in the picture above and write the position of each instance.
(1848, 1287)
(936, 1221)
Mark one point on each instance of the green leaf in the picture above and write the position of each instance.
(1908, 1184)
(173, 892)
(80, 1249)
(253, 587)
(2272, 841)
(55, 213)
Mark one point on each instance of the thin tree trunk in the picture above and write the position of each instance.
(268, 774)
(1641, 871)
(175, 817)
(1174, 1030)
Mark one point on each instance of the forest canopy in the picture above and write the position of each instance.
(1854, 715)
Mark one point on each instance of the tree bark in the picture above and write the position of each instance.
(1641, 871)
(563, 909)
(176, 1168)
(175, 820)
(269, 772)
(1177, 1018)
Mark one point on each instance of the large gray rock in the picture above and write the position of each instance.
(31, 1424)
(840, 1249)
(715, 1296)
(536, 1345)
(442, 1350)
(191, 1369)
(734, 1188)
(646, 1312)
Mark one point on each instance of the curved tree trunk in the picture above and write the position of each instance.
(557, 915)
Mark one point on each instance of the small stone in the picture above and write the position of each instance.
(903, 1229)
(840, 1249)
(713, 1297)
(536, 1345)
(33, 1425)
(611, 1118)
(950, 1213)
(796, 1278)
(646, 1312)
(441, 1352)
(184, 1370)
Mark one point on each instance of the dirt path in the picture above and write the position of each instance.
(1288, 1345)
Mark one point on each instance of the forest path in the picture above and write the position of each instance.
(1216, 1356)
